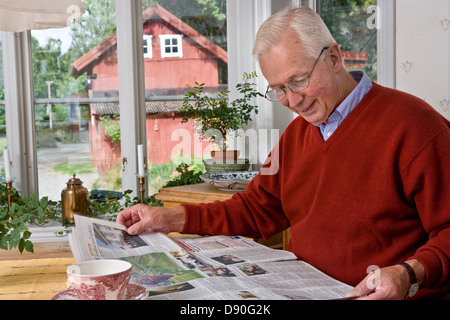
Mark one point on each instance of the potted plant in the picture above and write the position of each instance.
(217, 116)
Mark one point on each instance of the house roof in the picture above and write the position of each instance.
(151, 13)
(151, 107)
(162, 100)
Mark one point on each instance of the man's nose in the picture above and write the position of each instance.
(292, 99)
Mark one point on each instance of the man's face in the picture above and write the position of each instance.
(287, 61)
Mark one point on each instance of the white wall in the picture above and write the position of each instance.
(423, 51)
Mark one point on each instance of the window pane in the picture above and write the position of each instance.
(353, 27)
(195, 56)
(73, 135)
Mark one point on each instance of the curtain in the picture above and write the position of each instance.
(22, 15)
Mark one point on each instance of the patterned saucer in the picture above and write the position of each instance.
(133, 292)
(229, 181)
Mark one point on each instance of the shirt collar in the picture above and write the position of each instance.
(354, 98)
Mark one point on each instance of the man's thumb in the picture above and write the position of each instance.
(362, 289)
(136, 229)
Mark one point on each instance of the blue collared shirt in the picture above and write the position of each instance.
(347, 106)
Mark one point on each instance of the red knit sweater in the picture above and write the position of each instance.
(377, 192)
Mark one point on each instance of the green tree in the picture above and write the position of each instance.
(208, 17)
(95, 25)
(49, 64)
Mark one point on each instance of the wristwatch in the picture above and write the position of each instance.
(413, 284)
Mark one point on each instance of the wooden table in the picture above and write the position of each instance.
(205, 193)
(42, 250)
(35, 276)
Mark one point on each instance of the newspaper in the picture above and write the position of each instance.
(213, 267)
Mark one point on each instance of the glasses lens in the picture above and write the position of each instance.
(275, 95)
(297, 86)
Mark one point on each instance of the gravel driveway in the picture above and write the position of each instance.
(51, 183)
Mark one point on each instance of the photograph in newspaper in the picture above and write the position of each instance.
(112, 238)
(157, 269)
(213, 267)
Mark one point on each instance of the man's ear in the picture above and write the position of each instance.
(335, 54)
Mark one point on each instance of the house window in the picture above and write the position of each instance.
(147, 42)
(171, 46)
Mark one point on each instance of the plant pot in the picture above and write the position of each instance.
(226, 166)
(225, 156)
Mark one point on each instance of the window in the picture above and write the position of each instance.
(75, 94)
(71, 97)
(197, 34)
(147, 44)
(352, 24)
(171, 46)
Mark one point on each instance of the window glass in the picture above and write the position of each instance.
(75, 77)
(189, 43)
(353, 24)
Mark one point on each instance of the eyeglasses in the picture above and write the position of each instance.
(296, 85)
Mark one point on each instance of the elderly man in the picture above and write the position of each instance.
(362, 178)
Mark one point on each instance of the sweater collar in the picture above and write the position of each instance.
(346, 106)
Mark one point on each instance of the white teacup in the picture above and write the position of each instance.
(99, 279)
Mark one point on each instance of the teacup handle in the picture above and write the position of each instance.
(74, 269)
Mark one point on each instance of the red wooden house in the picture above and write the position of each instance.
(174, 55)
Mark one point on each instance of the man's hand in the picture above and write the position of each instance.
(390, 283)
(140, 218)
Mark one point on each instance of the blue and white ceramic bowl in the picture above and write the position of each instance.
(229, 181)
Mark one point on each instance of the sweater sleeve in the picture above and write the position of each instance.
(257, 212)
(427, 184)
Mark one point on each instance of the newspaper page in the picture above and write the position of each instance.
(214, 267)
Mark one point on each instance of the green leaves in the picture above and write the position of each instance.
(16, 237)
(26, 244)
(24, 210)
(217, 115)
(186, 175)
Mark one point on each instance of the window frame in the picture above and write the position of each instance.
(147, 44)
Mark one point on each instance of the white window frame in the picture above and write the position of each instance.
(130, 56)
(147, 44)
(19, 110)
(179, 45)
(386, 44)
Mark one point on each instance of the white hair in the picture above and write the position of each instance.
(305, 22)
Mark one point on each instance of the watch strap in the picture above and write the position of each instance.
(413, 284)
